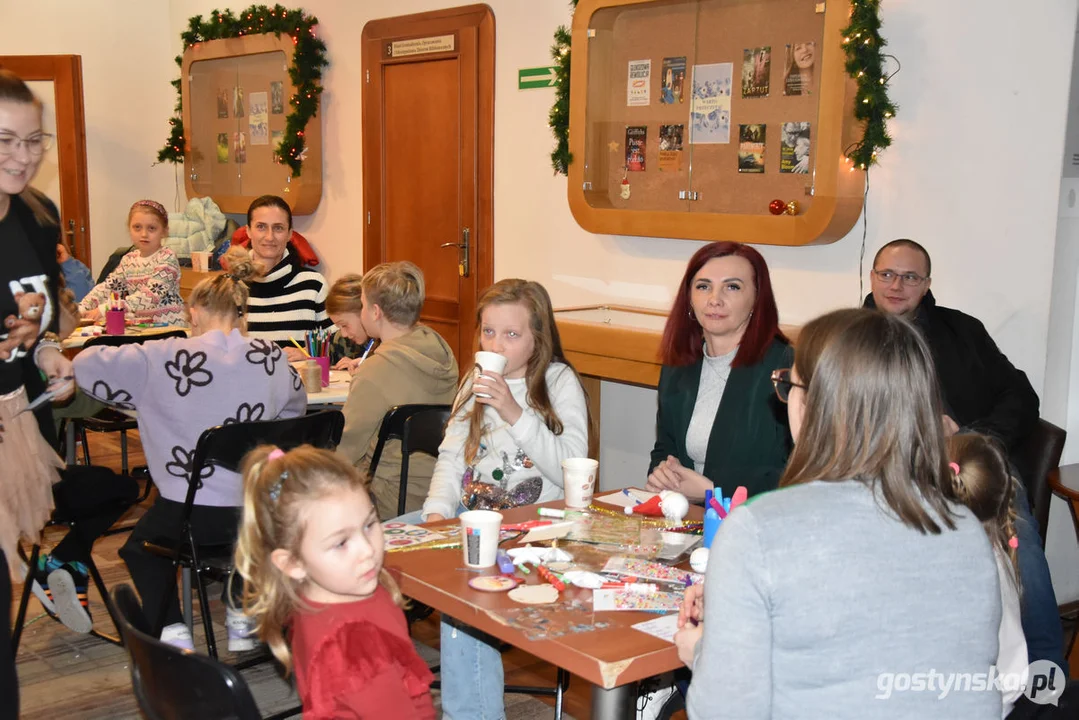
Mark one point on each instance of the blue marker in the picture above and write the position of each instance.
(711, 525)
(367, 349)
(627, 493)
(708, 498)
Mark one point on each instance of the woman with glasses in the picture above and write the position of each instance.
(29, 278)
(861, 578)
(718, 422)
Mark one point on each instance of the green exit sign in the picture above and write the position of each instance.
(537, 77)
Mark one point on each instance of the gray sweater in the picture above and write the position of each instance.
(813, 592)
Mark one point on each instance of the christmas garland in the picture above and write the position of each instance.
(865, 63)
(559, 116)
(306, 71)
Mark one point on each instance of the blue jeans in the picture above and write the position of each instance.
(473, 681)
(1038, 609)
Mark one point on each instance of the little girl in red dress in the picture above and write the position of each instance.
(310, 553)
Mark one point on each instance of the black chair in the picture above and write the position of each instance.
(419, 427)
(1035, 457)
(225, 446)
(171, 684)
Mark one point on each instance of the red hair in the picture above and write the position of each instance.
(683, 341)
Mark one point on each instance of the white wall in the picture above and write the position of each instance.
(126, 65)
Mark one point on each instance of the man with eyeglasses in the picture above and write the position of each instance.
(982, 392)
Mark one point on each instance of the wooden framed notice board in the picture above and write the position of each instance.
(689, 118)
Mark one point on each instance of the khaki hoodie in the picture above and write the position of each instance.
(417, 367)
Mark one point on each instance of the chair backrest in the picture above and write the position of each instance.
(171, 684)
(118, 340)
(226, 445)
(393, 426)
(421, 432)
(1035, 457)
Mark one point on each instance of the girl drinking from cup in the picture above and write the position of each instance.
(147, 280)
(504, 446)
(310, 552)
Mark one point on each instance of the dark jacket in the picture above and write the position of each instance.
(44, 238)
(981, 389)
(750, 440)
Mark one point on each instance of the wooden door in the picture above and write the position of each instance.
(428, 147)
(67, 159)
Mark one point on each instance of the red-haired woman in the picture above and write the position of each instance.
(718, 422)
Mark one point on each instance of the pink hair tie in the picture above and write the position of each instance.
(152, 204)
(954, 467)
(1013, 542)
(276, 453)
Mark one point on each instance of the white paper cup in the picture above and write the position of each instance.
(479, 537)
(579, 481)
(488, 361)
(200, 260)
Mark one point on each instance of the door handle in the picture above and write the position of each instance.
(463, 251)
(70, 232)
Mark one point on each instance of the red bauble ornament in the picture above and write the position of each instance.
(777, 207)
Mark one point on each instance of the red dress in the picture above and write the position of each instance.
(356, 660)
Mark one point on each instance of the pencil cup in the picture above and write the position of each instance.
(579, 481)
(488, 361)
(479, 537)
(114, 322)
(311, 374)
(324, 365)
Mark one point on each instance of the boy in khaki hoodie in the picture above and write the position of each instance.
(413, 364)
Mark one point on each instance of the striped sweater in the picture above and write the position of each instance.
(287, 302)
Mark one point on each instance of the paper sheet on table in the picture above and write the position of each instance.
(547, 532)
(659, 602)
(621, 499)
(663, 627)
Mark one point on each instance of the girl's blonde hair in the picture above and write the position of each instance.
(984, 484)
(275, 493)
(13, 89)
(547, 348)
(346, 295)
(397, 288)
(225, 295)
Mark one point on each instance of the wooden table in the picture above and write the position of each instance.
(613, 660)
(76, 340)
(1064, 481)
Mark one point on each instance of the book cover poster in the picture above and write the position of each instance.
(756, 68)
(670, 147)
(277, 98)
(751, 148)
(674, 80)
(710, 104)
(639, 83)
(237, 102)
(798, 68)
(636, 137)
(223, 103)
(794, 148)
(258, 119)
(239, 147)
(222, 147)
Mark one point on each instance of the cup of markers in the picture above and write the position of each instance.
(716, 509)
(115, 316)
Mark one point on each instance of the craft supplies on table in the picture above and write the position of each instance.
(662, 627)
(650, 570)
(401, 535)
(621, 599)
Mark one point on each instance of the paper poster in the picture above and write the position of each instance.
(222, 147)
(794, 148)
(670, 147)
(277, 98)
(237, 102)
(639, 83)
(276, 138)
(223, 103)
(674, 80)
(798, 68)
(636, 136)
(399, 535)
(751, 148)
(239, 147)
(710, 105)
(258, 120)
(756, 68)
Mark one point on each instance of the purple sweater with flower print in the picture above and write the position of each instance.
(183, 386)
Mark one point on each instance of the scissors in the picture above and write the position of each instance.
(49, 395)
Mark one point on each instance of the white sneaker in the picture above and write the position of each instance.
(241, 629)
(653, 696)
(179, 636)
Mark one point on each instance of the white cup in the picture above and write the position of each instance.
(479, 537)
(579, 481)
(200, 260)
(488, 361)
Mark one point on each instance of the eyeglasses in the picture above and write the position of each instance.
(781, 381)
(36, 145)
(909, 279)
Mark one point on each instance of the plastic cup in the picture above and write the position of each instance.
(579, 481)
(488, 361)
(114, 322)
(324, 365)
(479, 537)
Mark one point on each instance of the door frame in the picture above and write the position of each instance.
(65, 72)
(375, 34)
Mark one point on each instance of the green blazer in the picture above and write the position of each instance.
(750, 440)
